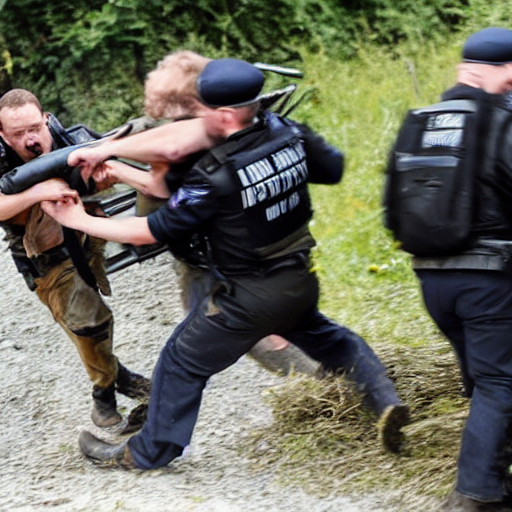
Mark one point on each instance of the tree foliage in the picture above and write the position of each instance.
(5, 67)
(88, 57)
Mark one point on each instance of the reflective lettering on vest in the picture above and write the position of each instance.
(442, 138)
(273, 176)
(289, 156)
(286, 205)
(293, 201)
(445, 121)
(272, 212)
(255, 172)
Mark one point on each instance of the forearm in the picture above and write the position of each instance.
(132, 230)
(171, 142)
(12, 205)
(150, 183)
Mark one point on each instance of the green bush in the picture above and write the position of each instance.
(96, 53)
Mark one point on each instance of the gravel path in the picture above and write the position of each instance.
(46, 402)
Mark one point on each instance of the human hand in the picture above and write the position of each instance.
(54, 189)
(67, 212)
(109, 172)
(88, 159)
(103, 175)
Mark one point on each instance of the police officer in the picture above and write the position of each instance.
(469, 294)
(249, 200)
(170, 93)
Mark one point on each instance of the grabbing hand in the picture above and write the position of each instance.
(53, 189)
(105, 174)
(88, 159)
(67, 211)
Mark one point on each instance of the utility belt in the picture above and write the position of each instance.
(39, 266)
(224, 276)
(487, 254)
(267, 267)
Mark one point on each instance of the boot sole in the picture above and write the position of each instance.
(389, 427)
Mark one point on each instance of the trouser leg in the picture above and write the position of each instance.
(482, 301)
(440, 304)
(288, 303)
(85, 318)
(174, 404)
(173, 409)
(272, 352)
(339, 348)
(96, 352)
(217, 332)
(487, 434)
(482, 465)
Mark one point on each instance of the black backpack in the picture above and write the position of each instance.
(429, 198)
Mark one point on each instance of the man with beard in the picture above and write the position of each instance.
(43, 252)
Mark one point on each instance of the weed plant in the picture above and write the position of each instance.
(325, 441)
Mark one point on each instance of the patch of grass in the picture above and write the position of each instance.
(67, 448)
(324, 440)
(357, 105)
(198, 499)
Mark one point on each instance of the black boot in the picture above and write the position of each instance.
(101, 451)
(136, 419)
(132, 384)
(389, 426)
(104, 410)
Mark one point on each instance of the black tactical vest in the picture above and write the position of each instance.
(264, 206)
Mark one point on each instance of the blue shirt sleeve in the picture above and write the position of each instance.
(187, 209)
(325, 162)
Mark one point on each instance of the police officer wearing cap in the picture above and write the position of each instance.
(248, 198)
(469, 295)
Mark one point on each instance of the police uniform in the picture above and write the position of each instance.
(249, 201)
(469, 296)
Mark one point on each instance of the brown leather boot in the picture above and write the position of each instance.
(132, 384)
(104, 411)
(102, 452)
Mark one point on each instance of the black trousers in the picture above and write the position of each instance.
(474, 311)
(223, 326)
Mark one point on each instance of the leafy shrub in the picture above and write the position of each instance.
(96, 53)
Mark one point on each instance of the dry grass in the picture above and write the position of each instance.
(325, 441)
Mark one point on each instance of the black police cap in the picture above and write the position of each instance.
(489, 46)
(229, 83)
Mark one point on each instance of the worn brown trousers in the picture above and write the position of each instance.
(83, 314)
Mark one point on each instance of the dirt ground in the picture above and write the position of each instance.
(45, 397)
